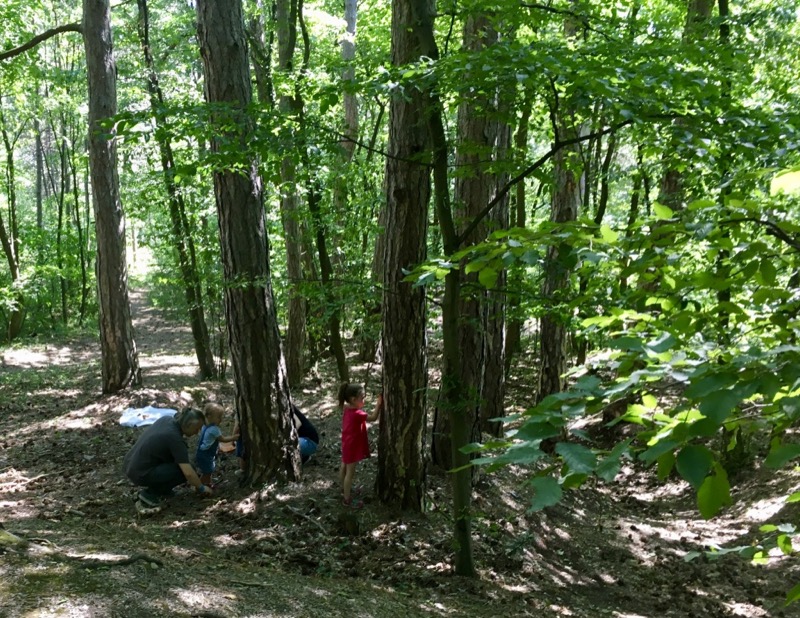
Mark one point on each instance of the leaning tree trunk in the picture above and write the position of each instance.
(401, 466)
(181, 234)
(120, 362)
(261, 386)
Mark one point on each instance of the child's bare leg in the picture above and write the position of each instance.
(348, 474)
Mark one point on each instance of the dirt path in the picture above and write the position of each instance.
(291, 551)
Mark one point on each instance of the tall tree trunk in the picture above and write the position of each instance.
(9, 235)
(261, 387)
(514, 324)
(286, 21)
(120, 362)
(261, 48)
(452, 390)
(477, 149)
(401, 466)
(181, 233)
(568, 186)
(671, 189)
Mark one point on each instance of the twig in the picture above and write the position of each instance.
(98, 564)
(243, 583)
(311, 519)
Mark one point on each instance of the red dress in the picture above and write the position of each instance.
(355, 445)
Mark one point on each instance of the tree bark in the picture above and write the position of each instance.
(568, 187)
(401, 467)
(261, 386)
(120, 363)
(286, 21)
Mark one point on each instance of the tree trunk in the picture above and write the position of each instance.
(401, 467)
(261, 386)
(286, 21)
(181, 234)
(451, 398)
(478, 135)
(568, 187)
(9, 237)
(119, 358)
(514, 325)
(671, 190)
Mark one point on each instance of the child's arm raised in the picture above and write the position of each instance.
(378, 407)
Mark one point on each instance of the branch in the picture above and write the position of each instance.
(11, 53)
(529, 170)
(773, 229)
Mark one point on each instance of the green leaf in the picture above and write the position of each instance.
(717, 406)
(709, 384)
(767, 272)
(779, 454)
(536, 430)
(547, 492)
(793, 595)
(795, 497)
(714, 493)
(662, 212)
(784, 543)
(608, 235)
(657, 450)
(665, 465)
(577, 457)
(609, 467)
(488, 277)
(573, 480)
(693, 464)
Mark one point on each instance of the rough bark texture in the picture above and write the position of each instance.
(261, 387)
(286, 22)
(120, 366)
(401, 470)
(481, 140)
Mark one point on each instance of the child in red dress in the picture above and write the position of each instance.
(355, 445)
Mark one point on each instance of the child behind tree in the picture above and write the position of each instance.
(208, 443)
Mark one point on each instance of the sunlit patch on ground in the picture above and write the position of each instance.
(43, 356)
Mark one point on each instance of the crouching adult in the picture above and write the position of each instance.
(159, 461)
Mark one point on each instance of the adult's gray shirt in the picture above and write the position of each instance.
(161, 443)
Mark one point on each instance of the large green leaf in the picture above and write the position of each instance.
(714, 493)
(577, 457)
(779, 454)
(547, 492)
(693, 463)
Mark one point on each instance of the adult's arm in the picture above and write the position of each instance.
(192, 478)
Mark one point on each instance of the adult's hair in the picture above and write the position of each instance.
(348, 391)
(189, 417)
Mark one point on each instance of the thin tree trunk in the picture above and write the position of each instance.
(514, 325)
(181, 233)
(568, 188)
(9, 235)
(286, 22)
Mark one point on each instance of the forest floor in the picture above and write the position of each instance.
(80, 548)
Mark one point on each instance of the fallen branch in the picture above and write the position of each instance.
(311, 519)
(98, 564)
(243, 583)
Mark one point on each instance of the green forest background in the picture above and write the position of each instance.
(601, 194)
